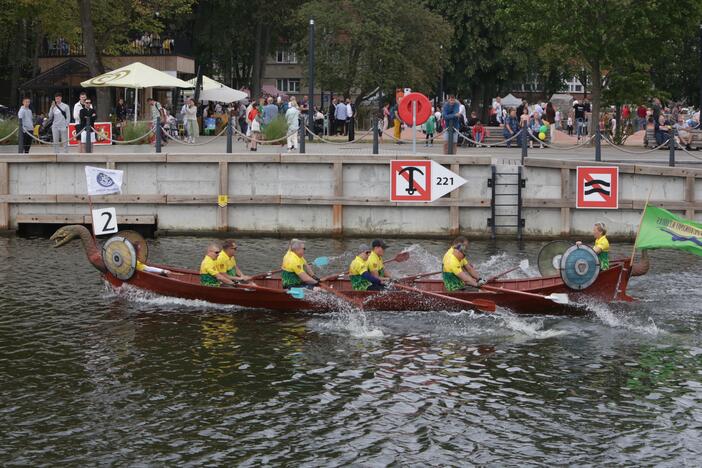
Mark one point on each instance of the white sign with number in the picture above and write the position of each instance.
(104, 221)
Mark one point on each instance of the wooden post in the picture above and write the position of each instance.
(455, 211)
(337, 209)
(4, 190)
(690, 196)
(565, 195)
(223, 212)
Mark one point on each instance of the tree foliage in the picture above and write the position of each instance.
(364, 44)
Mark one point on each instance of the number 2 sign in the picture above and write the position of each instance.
(104, 221)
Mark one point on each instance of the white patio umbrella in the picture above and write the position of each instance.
(137, 76)
(215, 91)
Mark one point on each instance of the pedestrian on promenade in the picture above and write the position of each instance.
(579, 110)
(451, 115)
(86, 118)
(429, 129)
(270, 112)
(341, 117)
(511, 126)
(292, 116)
(332, 117)
(191, 127)
(497, 108)
(157, 112)
(59, 118)
(396, 122)
(255, 126)
(78, 106)
(641, 112)
(386, 120)
(550, 114)
(25, 116)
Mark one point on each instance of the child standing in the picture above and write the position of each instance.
(429, 129)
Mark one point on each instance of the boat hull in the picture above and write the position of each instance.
(267, 293)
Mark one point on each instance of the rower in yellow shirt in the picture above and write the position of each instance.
(457, 270)
(295, 270)
(209, 273)
(226, 262)
(361, 278)
(144, 267)
(601, 247)
(375, 261)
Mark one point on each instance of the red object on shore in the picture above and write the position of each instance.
(423, 108)
(609, 286)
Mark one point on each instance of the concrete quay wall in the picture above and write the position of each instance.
(322, 195)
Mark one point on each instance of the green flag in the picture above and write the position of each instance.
(661, 229)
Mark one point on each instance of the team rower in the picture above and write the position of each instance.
(295, 270)
(209, 272)
(601, 247)
(226, 262)
(375, 261)
(457, 270)
(144, 267)
(361, 278)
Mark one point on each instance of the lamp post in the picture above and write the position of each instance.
(700, 71)
(440, 97)
(310, 103)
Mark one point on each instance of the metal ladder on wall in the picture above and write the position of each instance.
(506, 202)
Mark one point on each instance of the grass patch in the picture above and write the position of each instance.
(132, 131)
(278, 128)
(7, 127)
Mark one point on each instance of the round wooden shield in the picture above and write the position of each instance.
(549, 260)
(580, 267)
(119, 257)
(138, 242)
(423, 108)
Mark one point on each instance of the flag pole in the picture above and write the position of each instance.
(643, 213)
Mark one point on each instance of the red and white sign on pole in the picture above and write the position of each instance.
(102, 134)
(421, 181)
(598, 187)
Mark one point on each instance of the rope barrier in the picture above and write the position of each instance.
(168, 135)
(586, 141)
(126, 142)
(490, 145)
(6, 137)
(677, 143)
(355, 140)
(437, 136)
(31, 135)
(251, 139)
(615, 146)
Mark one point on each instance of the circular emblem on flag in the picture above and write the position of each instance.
(104, 180)
(119, 257)
(579, 267)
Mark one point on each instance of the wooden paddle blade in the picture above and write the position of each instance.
(484, 305)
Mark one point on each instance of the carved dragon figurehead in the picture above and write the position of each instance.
(66, 234)
(641, 267)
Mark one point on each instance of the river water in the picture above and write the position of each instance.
(91, 377)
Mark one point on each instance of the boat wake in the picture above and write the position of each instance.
(608, 317)
(141, 296)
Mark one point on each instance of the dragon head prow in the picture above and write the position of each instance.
(66, 234)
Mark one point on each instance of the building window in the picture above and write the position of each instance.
(288, 85)
(285, 56)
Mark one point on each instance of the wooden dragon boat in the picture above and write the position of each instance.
(267, 293)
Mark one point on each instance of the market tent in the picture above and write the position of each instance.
(138, 76)
(215, 91)
(510, 101)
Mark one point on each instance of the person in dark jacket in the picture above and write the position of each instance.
(87, 116)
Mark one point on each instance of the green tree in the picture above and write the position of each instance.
(365, 44)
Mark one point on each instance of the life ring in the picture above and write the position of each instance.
(424, 109)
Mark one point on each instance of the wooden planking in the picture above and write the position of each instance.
(122, 199)
(623, 168)
(565, 194)
(51, 219)
(28, 198)
(690, 196)
(4, 190)
(27, 158)
(624, 204)
(223, 211)
(337, 208)
(210, 199)
(127, 219)
(455, 210)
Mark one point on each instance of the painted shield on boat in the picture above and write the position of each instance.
(549, 260)
(579, 267)
(138, 242)
(120, 257)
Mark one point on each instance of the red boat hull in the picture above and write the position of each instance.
(267, 294)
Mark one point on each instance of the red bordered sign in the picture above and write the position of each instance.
(103, 134)
(410, 181)
(598, 187)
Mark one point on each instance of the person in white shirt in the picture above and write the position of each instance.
(497, 106)
(59, 118)
(292, 116)
(78, 107)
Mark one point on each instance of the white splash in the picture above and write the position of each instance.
(134, 294)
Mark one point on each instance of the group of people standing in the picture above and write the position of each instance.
(58, 119)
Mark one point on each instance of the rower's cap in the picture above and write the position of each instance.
(363, 248)
(379, 243)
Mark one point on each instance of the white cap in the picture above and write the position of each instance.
(575, 102)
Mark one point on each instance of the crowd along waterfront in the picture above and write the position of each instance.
(90, 376)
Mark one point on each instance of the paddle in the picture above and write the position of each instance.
(558, 298)
(421, 275)
(480, 304)
(399, 258)
(356, 302)
(318, 262)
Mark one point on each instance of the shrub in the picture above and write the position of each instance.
(131, 131)
(6, 127)
(276, 129)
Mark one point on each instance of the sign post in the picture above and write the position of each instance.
(414, 127)
(421, 181)
(598, 187)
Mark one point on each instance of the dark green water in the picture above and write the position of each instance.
(89, 377)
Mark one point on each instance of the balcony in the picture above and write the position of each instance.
(144, 46)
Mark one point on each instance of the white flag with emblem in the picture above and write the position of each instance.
(103, 181)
